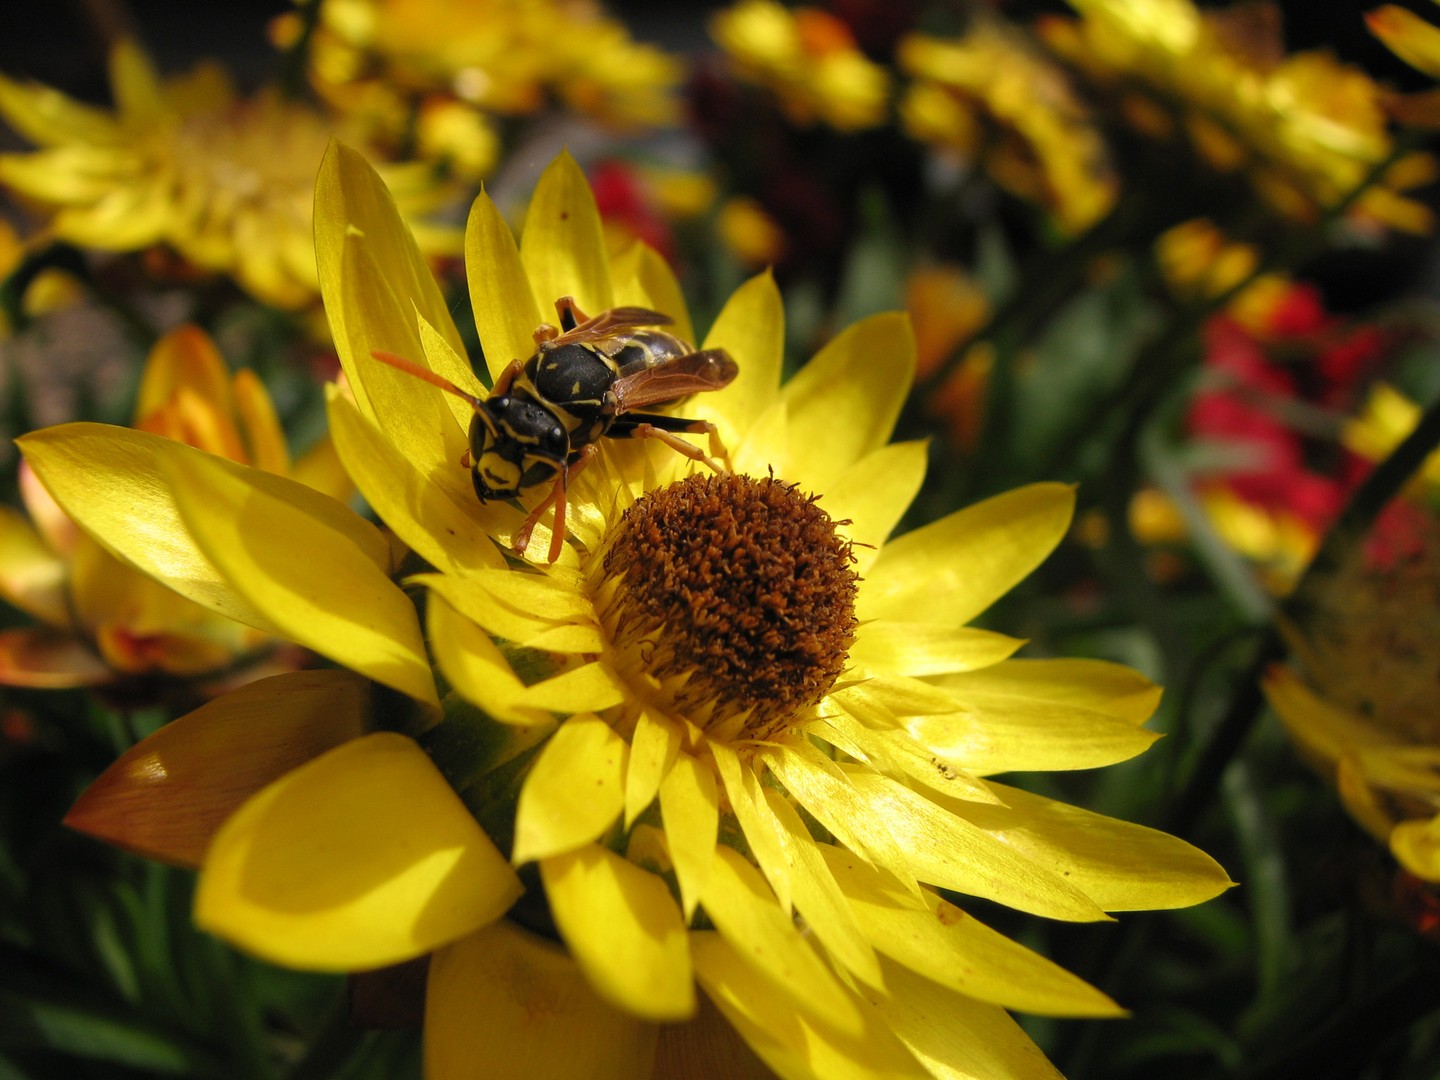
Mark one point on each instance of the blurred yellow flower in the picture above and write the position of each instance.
(1306, 128)
(227, 182)
(456, 66)
(1365, 710)
(48, 290)
(749, 232)
(1386, 419)
(1416, 42)
(104, 620)
(989, 96)
(726, 695)
(1199, 263)
(806, 57)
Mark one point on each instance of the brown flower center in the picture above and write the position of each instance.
(731, 599)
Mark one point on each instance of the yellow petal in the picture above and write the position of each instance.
(112, 482)
(955, 1036)
(953, 569)
(50, 660)
(433, 512)
(949, 851)
(818, 898)
(644, 279)
(745, 912)
(995, 734)
(894, 753)
(751, 327)
(45, 116)
(1118, 865)
(358, 232)
(186, 357)
(794, 1043)
(320, 468)
(1416, 846)
(1112, 689)
(562, 245)
(844, 403)
(574, 791)
(260, 425)
(32, 577)
(1408, 36)
(874, 495)
(360, 858)
(506, 313)
(473, 665)
(934, 938)
(624, 930)
(690, 807)
(507, 1005)
(266, 539)
(653, 747)
(166, 796)
(918, 649)
(761, 830)
(1318, 727)
(135, 83)
(449, 364)
(590, 686)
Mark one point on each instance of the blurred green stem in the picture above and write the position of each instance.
(297, 57)
(335, 1044)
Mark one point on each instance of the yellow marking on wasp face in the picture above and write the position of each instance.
(499, 474)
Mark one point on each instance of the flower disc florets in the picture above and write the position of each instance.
(734, 596)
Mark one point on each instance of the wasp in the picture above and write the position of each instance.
(589, 378)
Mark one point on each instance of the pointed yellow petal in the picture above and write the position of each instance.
(919, 649)
(844, 403)
(186, 357)
(135, 83)
(166, 796)
(361, 858)
(320, 468)
(434, 513)
(468, 596)
(874, 495)
(653, 748)
(563, 245)
(757, 822)
(506, 313)
(590, 686)
(574, 791)
(1416, 846)
(957, 1037)
(949, 851)
(32, 577)
(1408, 36)
(112, 482)
(934, 938)
(953, 569)
(508, 1005)
(358, 233)
(624, 930)
(690, 807)
(818, 898)
(751, 327)
(48, 659)
(1113, 689)
(1318, 726)
(260, 425)
(45, 116)
(473, 665)
(994, 734)
(644, 279)
(1118, 865)
(744, 910)
(266, 540)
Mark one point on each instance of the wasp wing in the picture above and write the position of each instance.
(609, 322)
(693, 373)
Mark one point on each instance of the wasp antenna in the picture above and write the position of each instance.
(412, 368)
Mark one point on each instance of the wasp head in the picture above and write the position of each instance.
(515, 443)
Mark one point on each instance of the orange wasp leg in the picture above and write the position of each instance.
(521, 539)
(680, 446)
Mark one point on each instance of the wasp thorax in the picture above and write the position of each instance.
(731, 600)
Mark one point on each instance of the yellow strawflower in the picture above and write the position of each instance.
(989, 96)
(808, 59)
(733, 735)
(103, 620)
(228, 182)
(1417, 42)
(1385, 420)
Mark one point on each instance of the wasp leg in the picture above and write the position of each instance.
(507, 377)
(646, 429)
(569, 313)
(466, 461)
(521, 540)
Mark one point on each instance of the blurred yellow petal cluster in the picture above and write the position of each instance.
(1200, 263)
(1387, 417)
(105, 619)
(227, 182)
(806, 57)
(727, 695)
(439, 72)
(1364, 711)
(1307, 129)
(1416, 42)
(991, 97)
